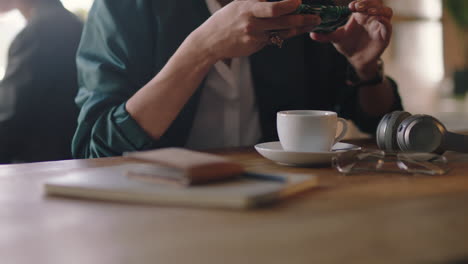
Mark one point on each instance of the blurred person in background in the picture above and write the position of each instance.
(37, 110)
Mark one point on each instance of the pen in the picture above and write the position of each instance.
(266, 177)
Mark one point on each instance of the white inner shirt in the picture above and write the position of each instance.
(227, 114)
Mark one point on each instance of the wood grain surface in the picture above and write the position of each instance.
(348, 219)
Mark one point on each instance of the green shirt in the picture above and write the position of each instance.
(126, 44)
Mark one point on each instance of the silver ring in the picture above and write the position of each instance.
(275, 39)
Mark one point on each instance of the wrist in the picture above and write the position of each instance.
(199, 46)
(366, 75)
(366, 71)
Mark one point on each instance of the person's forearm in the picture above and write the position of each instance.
(157, 104)
(378, 99)
(374, 100)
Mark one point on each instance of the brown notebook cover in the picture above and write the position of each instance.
(186, 166)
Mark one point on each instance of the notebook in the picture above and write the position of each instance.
(185, 166)
(118, 183)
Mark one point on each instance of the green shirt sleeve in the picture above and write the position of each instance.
(114, 60)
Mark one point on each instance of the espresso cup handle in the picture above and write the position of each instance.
(344, 129)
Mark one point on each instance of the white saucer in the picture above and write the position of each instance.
(274, 151)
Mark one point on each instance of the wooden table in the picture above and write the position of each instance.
(358, 219)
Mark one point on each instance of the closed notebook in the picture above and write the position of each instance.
(116, 184)
(185, 166)
(176, 176)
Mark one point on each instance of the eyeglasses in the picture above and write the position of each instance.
(376, 161)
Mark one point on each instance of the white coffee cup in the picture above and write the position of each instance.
(309, 130)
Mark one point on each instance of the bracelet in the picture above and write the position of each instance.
(353, 79)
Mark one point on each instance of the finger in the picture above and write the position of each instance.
(371, 7)
(364, 5)
(323, 38)
(382, 11)
(287, 22)
(292, 32)
(352, 6)
(387, 28)
(334, 36)
(328, 37)
(263, 9)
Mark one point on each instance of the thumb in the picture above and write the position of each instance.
(328, 37)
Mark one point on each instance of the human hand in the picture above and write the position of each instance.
(243, 27)
(365, 37)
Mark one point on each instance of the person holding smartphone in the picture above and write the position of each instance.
(209, 73)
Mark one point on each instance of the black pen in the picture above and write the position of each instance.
(265, 177)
